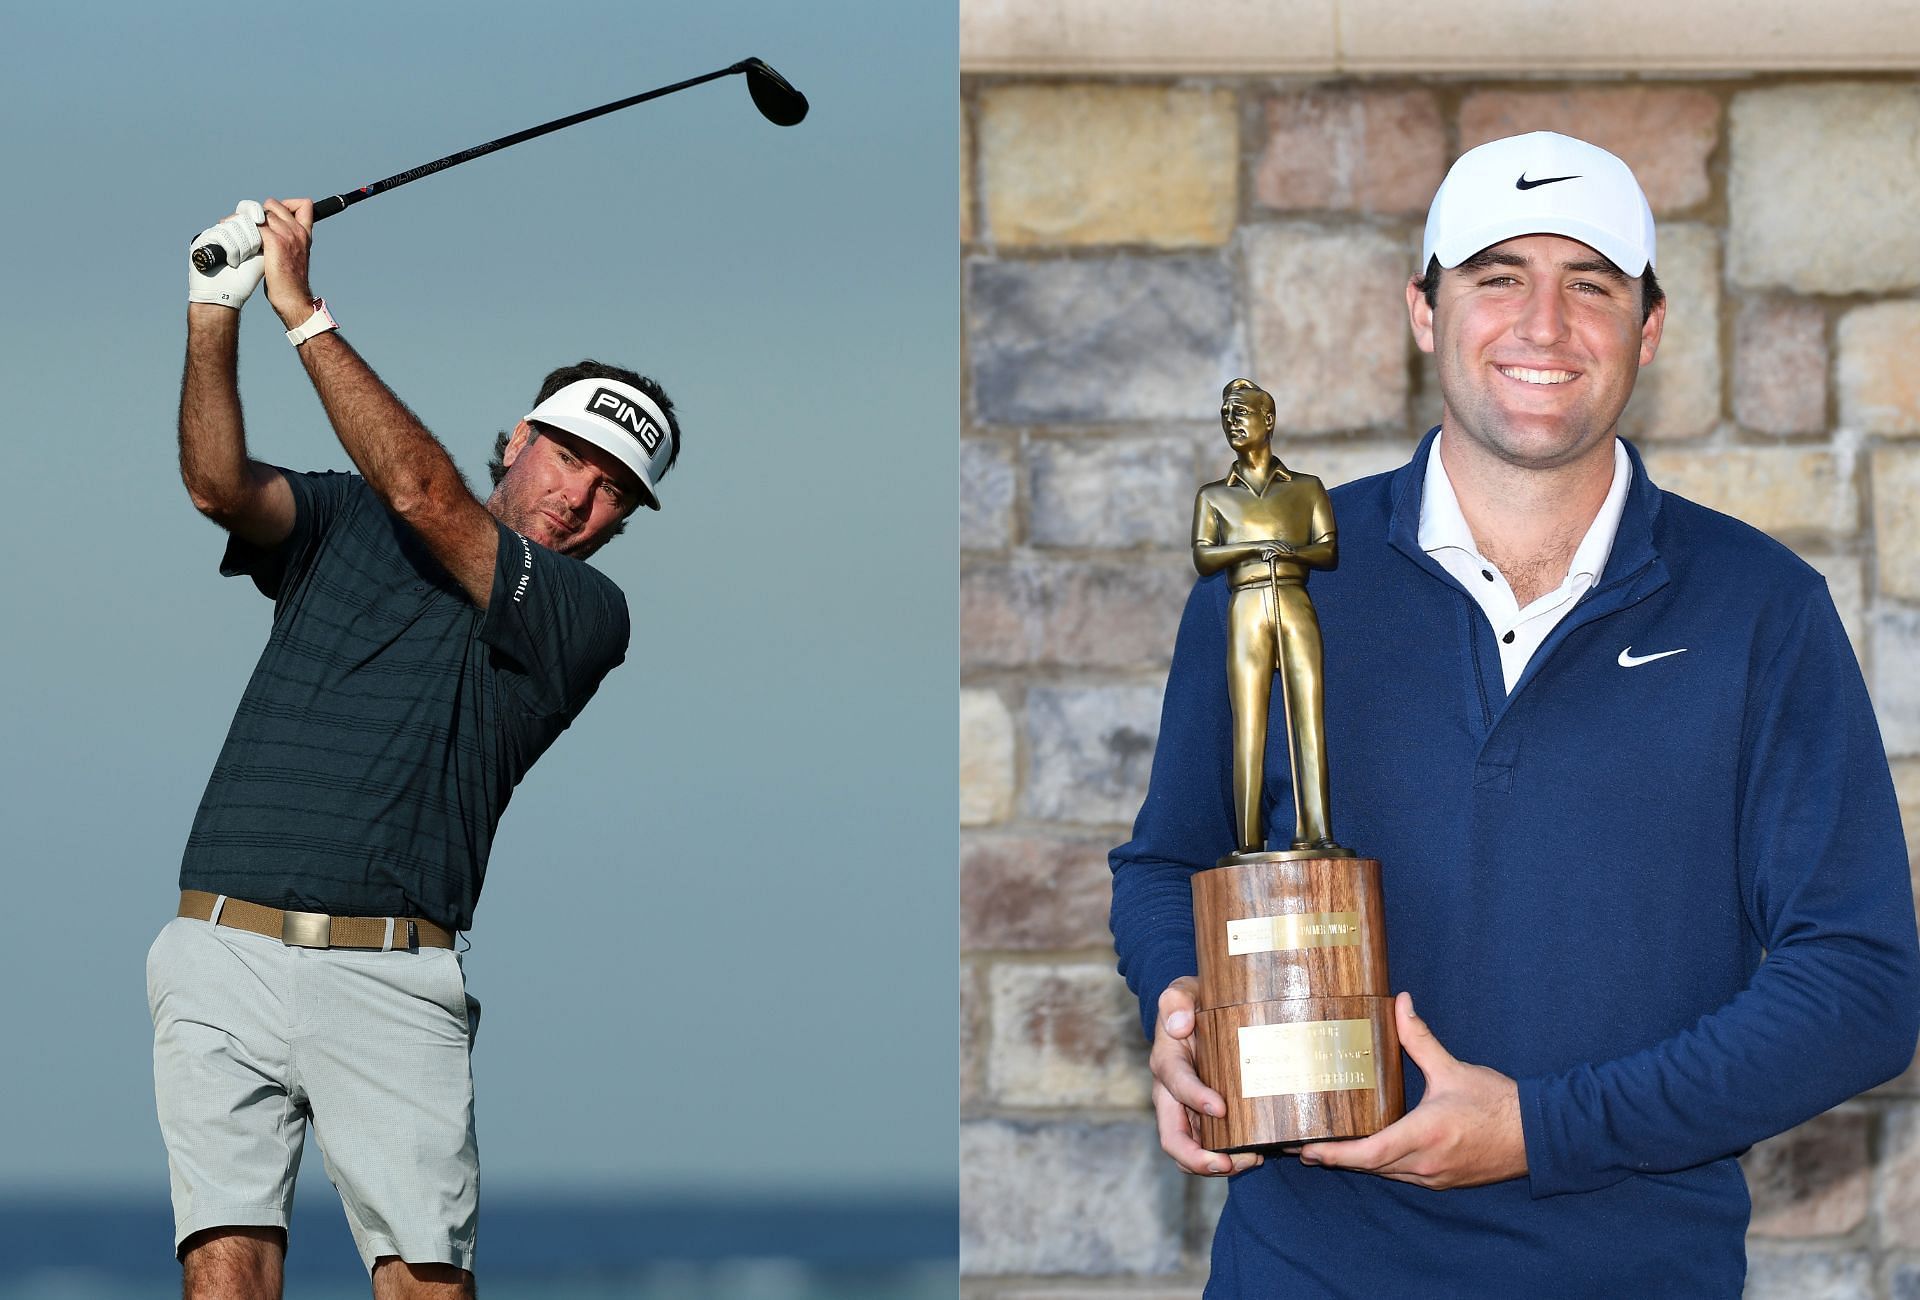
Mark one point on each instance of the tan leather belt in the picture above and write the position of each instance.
(316, 929)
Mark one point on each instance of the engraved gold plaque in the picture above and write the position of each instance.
(1306, 1056)
(1294, 930)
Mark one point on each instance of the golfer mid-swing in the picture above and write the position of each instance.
(426, 648)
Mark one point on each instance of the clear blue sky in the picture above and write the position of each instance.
(716, 947)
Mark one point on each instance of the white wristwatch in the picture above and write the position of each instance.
(319, 323)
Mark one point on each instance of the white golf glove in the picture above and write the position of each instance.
(230, 285)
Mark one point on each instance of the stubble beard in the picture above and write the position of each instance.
(1482, 421)
(509, 505)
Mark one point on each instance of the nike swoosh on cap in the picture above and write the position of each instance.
(1628, 659)
(1524, 184)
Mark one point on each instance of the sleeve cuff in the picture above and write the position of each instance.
(1153, 982)
(1554, 1167)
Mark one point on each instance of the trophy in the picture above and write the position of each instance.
(1294, 1027)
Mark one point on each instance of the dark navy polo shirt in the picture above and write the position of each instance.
(1667, 894)
(389, 719)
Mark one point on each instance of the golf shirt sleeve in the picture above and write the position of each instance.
(1186, 821)
(561, 623)
(318, 502)
(1823, 881)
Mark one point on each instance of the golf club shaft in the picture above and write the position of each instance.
(210, 257)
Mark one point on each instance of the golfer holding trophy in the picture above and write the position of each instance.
(1648, 881)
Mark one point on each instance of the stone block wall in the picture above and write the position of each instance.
(1129, 244)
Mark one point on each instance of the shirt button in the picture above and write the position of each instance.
(1508, 638)
(1487, 574)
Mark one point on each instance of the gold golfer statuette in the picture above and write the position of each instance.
(1268, 526)
(1294, 1019)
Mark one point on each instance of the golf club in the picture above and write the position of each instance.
(776, 99)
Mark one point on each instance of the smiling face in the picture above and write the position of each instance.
(1538, 341)
(563, 492)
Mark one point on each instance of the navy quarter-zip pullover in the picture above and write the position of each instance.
(1667, 895)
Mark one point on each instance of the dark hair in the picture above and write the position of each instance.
(1651, 294)
(590, 369)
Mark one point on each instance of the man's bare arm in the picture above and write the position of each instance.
(247, 498)
(403, 463)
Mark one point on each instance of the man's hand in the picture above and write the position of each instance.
(234, 283)
(1465, 1131)
(1275, 550)
(1176, 1087)
(287, 239)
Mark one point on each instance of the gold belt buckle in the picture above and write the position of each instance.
(306, 929)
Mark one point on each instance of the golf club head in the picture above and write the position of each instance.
(777, 100)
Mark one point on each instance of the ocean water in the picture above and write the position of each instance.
(550, 1249)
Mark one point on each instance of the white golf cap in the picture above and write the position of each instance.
(618, 418)
(1540, 184)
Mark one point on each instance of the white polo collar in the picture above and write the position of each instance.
(1444, 527)
(1444, 535)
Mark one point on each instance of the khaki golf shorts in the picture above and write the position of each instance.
(253, 1041)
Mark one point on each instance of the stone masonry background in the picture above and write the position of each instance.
(1131, 244)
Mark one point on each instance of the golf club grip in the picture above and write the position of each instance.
(209, 258)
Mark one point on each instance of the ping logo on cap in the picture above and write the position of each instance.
(612, 407)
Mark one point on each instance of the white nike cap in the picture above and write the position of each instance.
(1540, 184)
(618, 418)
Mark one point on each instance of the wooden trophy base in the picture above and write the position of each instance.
(1295, 1026)
(1278, 926)
(1299, 1070)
